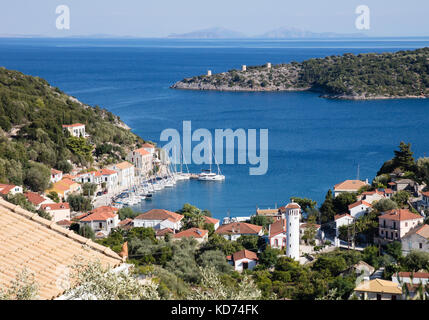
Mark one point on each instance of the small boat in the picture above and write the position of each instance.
(208, 175)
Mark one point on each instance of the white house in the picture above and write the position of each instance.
(102, 219)
(233, 231)
(57, 211)
(109, 177)
(149, 148)
(277, 234)
(37, 200)
(142, 161)
(243, 260)
(56, 175)
(342, 220)
(378, 289)
(372, 196)
(359, 209)
(413, 280)
(76, 129)
(424, 203)
(416, 239)
(126, 174)
(394, 224)
(159, 219)
(213, 221)
(10, 189)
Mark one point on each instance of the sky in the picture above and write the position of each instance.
(159, 18)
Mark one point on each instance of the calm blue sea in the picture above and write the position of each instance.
(313, 142)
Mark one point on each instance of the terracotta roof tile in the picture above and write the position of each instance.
(239, 228)
(55, 206)
(244, 254)
(379, 286)
(192, 232)
(277, 227)
(400, 215)
(358, 203)
(159, 214)
(210, 220)
(34, 198)
(350, 185)
(142, 151)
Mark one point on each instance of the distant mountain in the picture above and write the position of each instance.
(211, 33)
(294, 33)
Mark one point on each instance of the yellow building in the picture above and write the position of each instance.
(378, 289)
(65, 187)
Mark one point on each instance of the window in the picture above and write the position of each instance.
(245, 265)
(393, 297)
(420, 245)
(378, 296)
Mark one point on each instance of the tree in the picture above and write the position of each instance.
(401, 197)
(327, 211)
(343, 200)
(37, 177)
(384, 205)
(394, 249)
(404, 157)
(249, 242)
(214, 259)
(88, 189)
(416, 260)
(24, 287)
(305, 203)
(53, 195)
(269, 257)
(79, 203)
(127, 212)
(86, 232)
(370, 256)
(261, 221)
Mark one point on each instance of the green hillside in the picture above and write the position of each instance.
(31, 136)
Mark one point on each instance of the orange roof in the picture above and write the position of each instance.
(55, 206)
(5, 188)
(55, 171)
(34, 198)
(424, 275)
(142, 151)
(239, 228)
(277, 227)
(400, 215)
(125, 221)
(163, 232)
(388, 191)
(63, 184)
(192, 232)
(426, 194)
(421, 230)
(64, 222)
(379, 286)
(73, 125)
(339, 216)
(160, 214)
(293, 205)
(101, 214)
(350, 185)
(244, 254)
(123, 165)
(148, 145)
(268, 212)
(106, 172)
(358, 203)
(44, 249)
(210, 220)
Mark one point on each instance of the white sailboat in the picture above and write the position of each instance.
(208, 175)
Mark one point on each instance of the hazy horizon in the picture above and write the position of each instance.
(158, 19)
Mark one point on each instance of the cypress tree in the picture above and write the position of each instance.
(327, 209)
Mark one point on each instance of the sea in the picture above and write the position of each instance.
(314, 143)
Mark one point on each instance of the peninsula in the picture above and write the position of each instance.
(403, 74)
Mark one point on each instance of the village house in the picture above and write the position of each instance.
(142, 161)
(359, 209)
(56, 175)
(65, 223)
(277, 234)
(149, 148)
(372, 196)
(412, 280)
(243, 260)
(378, 289)
(405, 184)
(275, 214)
(75, 130)
(6, 189)
(65, 187)
(57, 211)
(161, 233)
(341, 220)
(200, 235)
(125, 171)
(213, 221)
(233, 231)
(349, 186)
(108, 177)
(85, 177)
(45, 250)
(424, 203)
(416, 239)
(101, 220)
(362, 270)
(126, 224)
(36, 199)
(159, 219)
(394, 224)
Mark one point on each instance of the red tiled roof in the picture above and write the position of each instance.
(64, 222)
(239, 228)
(400, 215)
(210, 220)
(339, 216)
(388, 191)
(148, 145)
(293, 205)
(426, 193)
(277, 227)
(163, 232)
(55, 206)
(352, 185)
(424, 275)
(101, 214)
(125, 221)
(244, 254)
(34, 198)
(5, 188)
(106, 172)
(358, 203)
(192, 232)
(55, 171)
(159, 214)
(72, 125)
(142, 151)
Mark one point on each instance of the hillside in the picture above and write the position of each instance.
(403, 74)
(31, 117)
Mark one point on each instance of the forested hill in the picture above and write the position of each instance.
(365, 76)
(31, 136)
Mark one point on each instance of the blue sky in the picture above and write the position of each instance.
(158, 18)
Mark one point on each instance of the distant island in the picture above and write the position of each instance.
(279, 33)
(403, 74)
